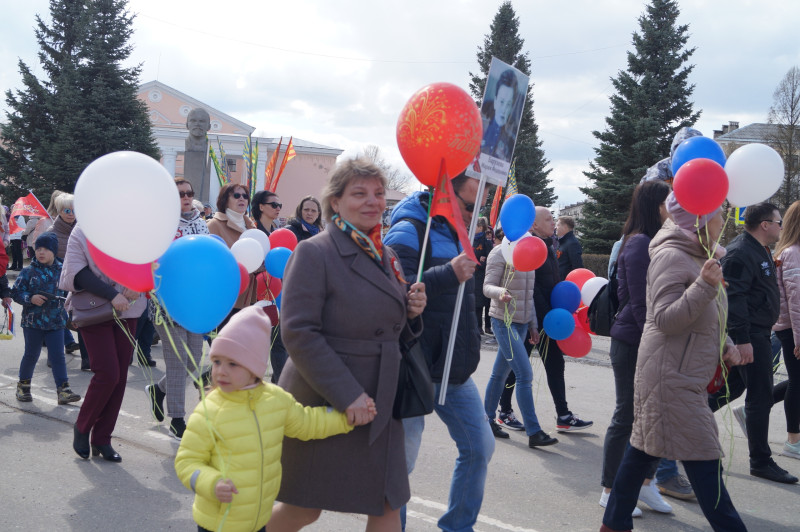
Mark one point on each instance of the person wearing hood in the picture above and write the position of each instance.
(677, 358)
(43, 319)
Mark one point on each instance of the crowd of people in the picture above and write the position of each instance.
(272, 455)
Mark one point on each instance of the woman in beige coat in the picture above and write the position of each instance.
(345, 308)
(678, 355)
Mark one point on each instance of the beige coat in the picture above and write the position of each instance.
(679, 352)
(341, 320)
(230, 232)
(501, 277)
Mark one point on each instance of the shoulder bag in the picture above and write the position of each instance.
(89, 309)
(415, 394)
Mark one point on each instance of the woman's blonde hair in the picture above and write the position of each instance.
(52, 208)
(790, 234)
(343, 174)
(64, 201)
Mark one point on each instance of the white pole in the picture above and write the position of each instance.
(459, 298)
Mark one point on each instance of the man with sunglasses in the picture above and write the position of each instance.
(753, 308)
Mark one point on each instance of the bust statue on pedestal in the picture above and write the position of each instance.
(195, 158)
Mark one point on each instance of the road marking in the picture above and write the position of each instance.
(481, 518)
(54, 402)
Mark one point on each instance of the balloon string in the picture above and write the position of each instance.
(508, 313)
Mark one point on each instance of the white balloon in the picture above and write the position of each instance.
(507, 248)
(755, 173)
(590, 289)
(248, 253)
(258, 235)
(127, 178)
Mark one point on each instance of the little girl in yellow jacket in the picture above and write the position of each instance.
(230, 454)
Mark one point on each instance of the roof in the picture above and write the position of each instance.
(750, 133)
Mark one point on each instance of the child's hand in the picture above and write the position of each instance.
(38, 300)
(225, 490)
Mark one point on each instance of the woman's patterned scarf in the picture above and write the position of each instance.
(371, 244)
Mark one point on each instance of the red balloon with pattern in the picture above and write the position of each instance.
(439, 123)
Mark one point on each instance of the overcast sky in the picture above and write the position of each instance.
(338, 72)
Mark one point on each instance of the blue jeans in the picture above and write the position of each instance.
(33, 348)
(463, 414)
(68, 338)
(704, 475)
(511, 355)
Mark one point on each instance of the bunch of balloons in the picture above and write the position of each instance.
(520, 249)
(704, 178)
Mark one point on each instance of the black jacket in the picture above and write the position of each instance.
(296, 227)
(570, 254)
(753, 297)
(546, 279)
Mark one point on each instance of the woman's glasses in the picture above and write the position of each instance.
(189, 194)
(239, 195)
(69, 211)
(273, 204)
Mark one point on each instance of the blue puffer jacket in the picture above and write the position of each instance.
(32, 280)
(441, 287)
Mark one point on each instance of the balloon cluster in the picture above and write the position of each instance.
(518, 247)
(197, 279)
(568, 321)
(704, 178)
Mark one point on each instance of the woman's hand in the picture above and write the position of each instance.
(130, 295)
(225, 490)
(796, 350)
(359, 413)
(712, 272)
(506, 297)
(416, 300)
(534, 336)
(120, 303)
(732, 356)
(38, 300)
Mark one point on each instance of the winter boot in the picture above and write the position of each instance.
(65, 395)
(24, 391)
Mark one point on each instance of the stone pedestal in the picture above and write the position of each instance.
(195, 170)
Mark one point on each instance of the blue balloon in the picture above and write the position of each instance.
(219, 238)
(278, 300)
(197, 282)
(517, 216)
(566, 295)
(276, 261)
(697, 148)
(559, 324)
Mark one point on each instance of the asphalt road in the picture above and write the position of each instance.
(45, 486)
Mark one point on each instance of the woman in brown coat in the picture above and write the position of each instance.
(345, 307)
(678, 355)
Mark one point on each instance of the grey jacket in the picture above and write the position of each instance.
(502, 277)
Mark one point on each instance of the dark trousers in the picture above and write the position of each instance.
(145, 331)
(278, 355)
(110, 350)
(16, 255)
(789, 391)
(553, 360)
(508, 391)
(706, 479)
(756, 378)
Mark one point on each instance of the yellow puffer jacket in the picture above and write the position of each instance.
(239, 436)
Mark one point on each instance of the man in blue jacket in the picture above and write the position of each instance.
(446, 267)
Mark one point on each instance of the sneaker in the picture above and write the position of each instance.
(156, 399)
(509, 421)
(677, 486)
(772, 471)
(741, 417)
(652, 498)
(24, 391)
(72, 347)
(156, 339)
(490, 341)
(791, 449)
(637, 512)
(66, 396)
(177, 427)
(571, 423)
(497, 431)
(541, 439)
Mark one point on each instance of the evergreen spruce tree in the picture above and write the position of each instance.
(503, 42)
(650, 105)
(84, 106)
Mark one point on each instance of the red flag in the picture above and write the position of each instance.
(25, 206)
(495, 206)
(444, 204)
(287, 156)
(270, 169)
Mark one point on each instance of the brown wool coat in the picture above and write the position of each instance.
(230, 233)
(678, 354)
(341, 320)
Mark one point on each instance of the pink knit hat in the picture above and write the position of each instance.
(246, 340)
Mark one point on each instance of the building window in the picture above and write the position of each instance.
(231, 165)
